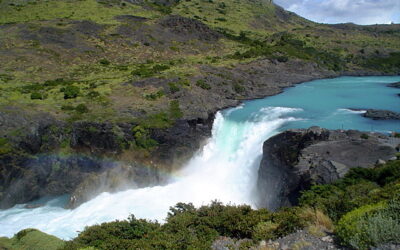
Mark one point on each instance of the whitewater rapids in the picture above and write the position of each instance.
(225, 169)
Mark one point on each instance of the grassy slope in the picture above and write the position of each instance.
(31, 239)
(28, 60)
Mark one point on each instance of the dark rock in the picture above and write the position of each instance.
(295, 159)
(394, 85)
(31, 206)
(130, 18)
(87, 27)
(381, 114)
(96, 161)
(304, 240)
(190, 27)
(63, 38)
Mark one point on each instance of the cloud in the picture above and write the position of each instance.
(342, 11)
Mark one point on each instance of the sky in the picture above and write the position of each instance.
(343, 11)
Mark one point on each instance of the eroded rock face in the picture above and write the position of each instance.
(41, 156)
(295, 159)
(376, 114)
(190, 27)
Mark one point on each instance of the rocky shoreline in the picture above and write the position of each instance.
(295, 159)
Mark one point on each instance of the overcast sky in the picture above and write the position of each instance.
(342, 11)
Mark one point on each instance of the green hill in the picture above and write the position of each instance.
(96, 46)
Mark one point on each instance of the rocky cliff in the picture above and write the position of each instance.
(295, 159)
(41, 156)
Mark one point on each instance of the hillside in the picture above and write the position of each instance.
(102, 51)
(139, 81)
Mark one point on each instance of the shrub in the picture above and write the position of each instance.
(348, 226)
(364, 136)
(371, 225)
(5, 146)
(221, 19)
(265, 230)
(175, 110)
(238, 88)
(81, 108)
(202, 84)
(104, 62)
(6, 78)
(288, 221)
(145, 70)
(142, 138)
(160, 67)
(36, 96)
(70, 92)
(67, 107)
(154, 96)
(93, 94)
(173, 88)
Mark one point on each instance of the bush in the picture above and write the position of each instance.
(173, 88)
(238, 88)
(104, 62)
(81, 108)
(175, 110)
(67, 107)
(358, 188)
(364, 136)
(70, 92)
(265, 230)
(146, 70)
(142, 138)
(93, 94)
(36, 96)
(202, 84)
(154, 96)
(371, 225)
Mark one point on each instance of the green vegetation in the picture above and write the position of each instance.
(175, 110)
(5, 146)
(390, 63)
(154, 96)
(97, 55)
(202, 84)
(148, 70)
(70, 92)
(76, 10)
(142, 138)
(31, 239)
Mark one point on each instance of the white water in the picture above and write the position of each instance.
(225, 169)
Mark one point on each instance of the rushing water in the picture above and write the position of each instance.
(226, 168)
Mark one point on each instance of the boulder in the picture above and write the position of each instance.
(377, 114)
(394, 85)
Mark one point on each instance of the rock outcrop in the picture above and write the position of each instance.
(41, 156)
(394, 85)
(295, 159)
(377, 114)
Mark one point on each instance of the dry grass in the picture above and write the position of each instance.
(319, 223)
